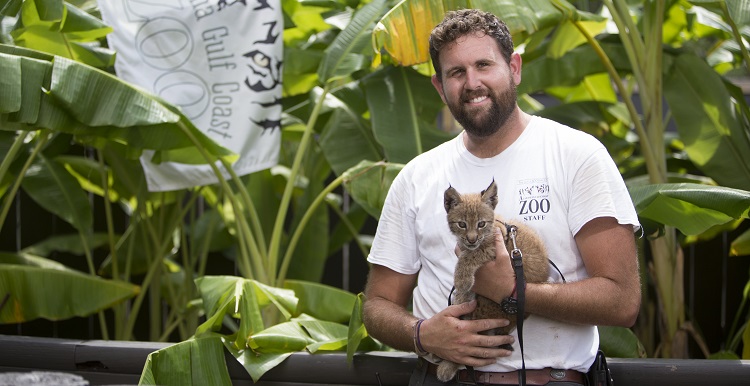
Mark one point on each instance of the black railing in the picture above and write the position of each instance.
(121, 363)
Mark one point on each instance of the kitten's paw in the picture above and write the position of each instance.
(446, 371)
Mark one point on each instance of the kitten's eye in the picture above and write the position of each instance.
(462, 225)
(481, 224)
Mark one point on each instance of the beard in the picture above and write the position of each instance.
(485, 122)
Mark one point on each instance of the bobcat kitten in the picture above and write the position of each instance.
(472, 219)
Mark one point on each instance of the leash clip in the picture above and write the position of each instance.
(515, 254)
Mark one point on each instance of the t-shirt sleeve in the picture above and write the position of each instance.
(395, 243)
(598, 190)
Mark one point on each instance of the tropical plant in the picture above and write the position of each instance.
(246, 218)
(260, 317)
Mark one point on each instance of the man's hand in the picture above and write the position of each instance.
(495, 279)
(451, 338)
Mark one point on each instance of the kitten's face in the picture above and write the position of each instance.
(471, 216)
(472, 221)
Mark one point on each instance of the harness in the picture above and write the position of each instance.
(510, 305)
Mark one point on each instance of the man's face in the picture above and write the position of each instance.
(478, 85)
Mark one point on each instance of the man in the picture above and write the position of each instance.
(560, 181)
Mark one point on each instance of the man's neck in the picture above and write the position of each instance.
(488, 147)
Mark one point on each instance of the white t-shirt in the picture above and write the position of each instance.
(553, 178)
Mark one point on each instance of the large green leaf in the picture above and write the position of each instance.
(59, 28)
(56, 294)
(197, 361)
(95, 106)
(368, 183)
(691, 208)
(322, 301)
(357, 336)
(741, 245)
(715, 136)
(541, 72)
(258, 363)
(53, 188)
(404, 31)
(620, 342)
(269, 347)
(404, 106)
(238, 297)
(346, 54)
(347, 138)
(67, 243)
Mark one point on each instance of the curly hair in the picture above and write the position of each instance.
(468, 21)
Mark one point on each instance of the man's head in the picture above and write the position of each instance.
(468, 21)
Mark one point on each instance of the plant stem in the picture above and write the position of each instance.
(12, 152)
(301, 227)
(273, 252)
(248, 201)
(736, 33)
(44, 136)
(626, 97)
(348, 225)
(254, 252)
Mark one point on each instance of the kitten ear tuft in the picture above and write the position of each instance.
(451, 198)
(489, 195)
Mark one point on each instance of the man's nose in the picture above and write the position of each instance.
(473, 81)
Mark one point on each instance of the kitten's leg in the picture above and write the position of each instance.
(447, 370)
(463, 277)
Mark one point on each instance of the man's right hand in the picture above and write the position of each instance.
(460, 341)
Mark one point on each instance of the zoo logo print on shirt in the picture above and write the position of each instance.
(533, 199)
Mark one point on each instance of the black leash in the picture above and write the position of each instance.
(516, 258)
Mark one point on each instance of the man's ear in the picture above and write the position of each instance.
(515, 67)
(438, 86)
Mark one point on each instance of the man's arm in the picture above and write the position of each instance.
(611, 295)
(445, 335)
(386, 296)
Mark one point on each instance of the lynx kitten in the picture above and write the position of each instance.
(472, 220)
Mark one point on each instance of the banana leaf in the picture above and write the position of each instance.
(322, 301)
(404, 106)
(54, 189)
(691, 208)
(66, 243)
(64, 95)
(347, 138)
(347, 52)
(233, 296)
(620, 342)
(38, 289)
(197, 361)
(714, 131)
(61, 29)
(368, 183)
(741, 245)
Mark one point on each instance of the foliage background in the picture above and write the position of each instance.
(343, 105)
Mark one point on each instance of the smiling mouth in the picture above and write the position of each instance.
(477, 99)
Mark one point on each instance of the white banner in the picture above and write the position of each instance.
(219, 61)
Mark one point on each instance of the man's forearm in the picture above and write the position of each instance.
(389, 323)
(585, 302)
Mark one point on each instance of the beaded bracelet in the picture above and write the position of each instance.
(418, 349)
